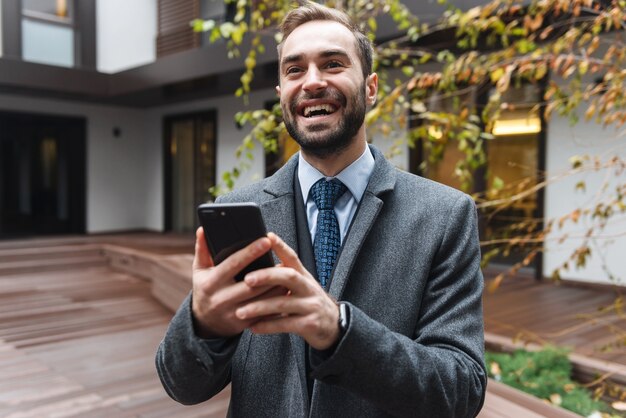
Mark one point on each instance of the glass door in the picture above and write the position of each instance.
(189, 167)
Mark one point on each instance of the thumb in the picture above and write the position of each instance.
(202, 258)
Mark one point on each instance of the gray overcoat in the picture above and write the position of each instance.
(410, 273)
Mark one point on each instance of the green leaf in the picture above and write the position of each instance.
(371, 22)
(497, 183)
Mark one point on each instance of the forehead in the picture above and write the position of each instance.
(317, 36)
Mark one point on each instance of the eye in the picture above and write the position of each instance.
(292, 70)
(334, 64)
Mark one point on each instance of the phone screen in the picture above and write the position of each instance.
(229, 228)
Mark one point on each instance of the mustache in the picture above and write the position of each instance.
(329, 94)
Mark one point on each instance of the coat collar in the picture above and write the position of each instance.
(382, 180)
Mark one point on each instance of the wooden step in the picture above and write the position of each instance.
(42, 252)
(505, 402)
(169, 275)
(40, 265)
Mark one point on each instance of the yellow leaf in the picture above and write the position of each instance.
(497, 74)
(495, 370)
(590, 111)
(541, 72)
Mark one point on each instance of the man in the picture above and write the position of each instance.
(406, 338)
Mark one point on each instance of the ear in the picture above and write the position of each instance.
(371, 88)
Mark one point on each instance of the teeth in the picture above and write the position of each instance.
(322, 107)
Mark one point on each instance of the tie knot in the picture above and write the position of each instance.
(325, 193)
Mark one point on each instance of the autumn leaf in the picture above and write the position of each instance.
(495, 283)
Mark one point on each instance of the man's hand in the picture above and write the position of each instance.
(306, 310)
(216, 296)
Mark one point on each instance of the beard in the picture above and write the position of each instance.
(322, 139)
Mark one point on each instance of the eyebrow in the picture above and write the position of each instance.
(324, 54)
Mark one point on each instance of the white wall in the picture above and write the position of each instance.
(126, 34)
(563, 142)
(120, 171)
(0, 28)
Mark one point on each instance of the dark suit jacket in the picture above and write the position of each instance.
(410, 272)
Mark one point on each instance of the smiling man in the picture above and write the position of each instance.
(375, 305)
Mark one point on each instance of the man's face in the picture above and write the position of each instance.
(322, 91)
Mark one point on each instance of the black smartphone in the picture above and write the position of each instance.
(229, 227)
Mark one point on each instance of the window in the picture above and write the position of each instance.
(515, 158)
(48, 32)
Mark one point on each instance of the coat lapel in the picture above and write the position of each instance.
(278, 208)
(279, 213)
(382, 180)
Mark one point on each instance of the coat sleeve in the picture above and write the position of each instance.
(438, 371)
(193, 369)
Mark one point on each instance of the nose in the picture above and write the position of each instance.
(314, 80)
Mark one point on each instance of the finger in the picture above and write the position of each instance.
(202, 257)
(275, 306)
(285, 277)
(239, 260)
(240, 293)
(286, 254)
(269, 293)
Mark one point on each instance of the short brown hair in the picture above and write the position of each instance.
(311, 11)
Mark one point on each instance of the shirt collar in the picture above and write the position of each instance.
(355, 176)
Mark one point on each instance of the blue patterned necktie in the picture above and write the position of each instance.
(327, 237)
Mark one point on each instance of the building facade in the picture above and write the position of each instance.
(116, 116)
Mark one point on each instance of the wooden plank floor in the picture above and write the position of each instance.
(564, 314)
(82, 343)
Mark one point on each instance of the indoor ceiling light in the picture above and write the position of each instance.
(519, 126)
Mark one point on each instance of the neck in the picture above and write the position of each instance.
(331, 165)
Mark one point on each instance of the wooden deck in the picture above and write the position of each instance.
(565, 314)
(78, 338)
(82, 343)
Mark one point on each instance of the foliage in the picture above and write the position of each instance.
(572, 51)
(545, 374)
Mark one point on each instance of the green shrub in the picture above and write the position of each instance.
(545, 374)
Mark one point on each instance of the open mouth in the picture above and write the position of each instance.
(318, 110)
